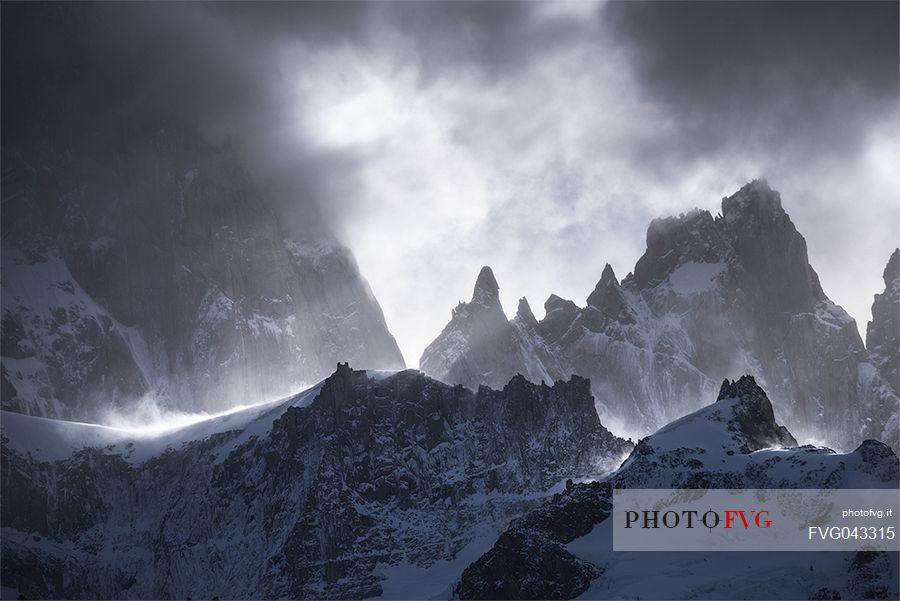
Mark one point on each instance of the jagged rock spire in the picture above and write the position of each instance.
(524, 313)
(607, 296)
(608, 276)
(746, 386)
(607, 281)
(754, 418)
(487, 291)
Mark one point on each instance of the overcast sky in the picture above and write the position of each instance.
(537, 138)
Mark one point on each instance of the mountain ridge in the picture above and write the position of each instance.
(328, 494)
(709, 297)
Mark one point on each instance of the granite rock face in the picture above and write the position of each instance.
(710, 297)
(324, 495)
(883, 332)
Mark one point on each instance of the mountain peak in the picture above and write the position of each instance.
(607, 296)
(754, 198)
(772, 252)
(753, 417)
(525, 314)
(486, 288)
(608, 276)
(746, 386)
(607, 281)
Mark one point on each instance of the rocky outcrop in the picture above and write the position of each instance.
(711, 295)
(752, 418)
(529, 560)
(321, 496)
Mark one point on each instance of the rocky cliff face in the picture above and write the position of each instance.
(335, 493)
(563, 549)
(711, 296)
(883, 332)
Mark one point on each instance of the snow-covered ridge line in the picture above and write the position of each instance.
(46, 439)
(354, 480)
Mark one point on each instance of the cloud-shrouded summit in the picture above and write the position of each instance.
(710, 296)
(538, 138)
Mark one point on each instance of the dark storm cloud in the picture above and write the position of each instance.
(183, 59)
(215, 61)
(74, 71)
(796, 73)
(729, 73)
(438, 136)
(495, 38)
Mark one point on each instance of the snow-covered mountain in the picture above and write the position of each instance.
(164, 273)
(563, 549)
(367, 484)
(711, 296)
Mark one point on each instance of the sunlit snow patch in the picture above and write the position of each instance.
(139, 439)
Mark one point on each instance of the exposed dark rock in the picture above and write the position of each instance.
(883, 332)
(374, 471)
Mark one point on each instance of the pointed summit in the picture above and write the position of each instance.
(752, 421)
(524, 313)
(487, 291)
(608, 275)
(607, 296)
(607, 282)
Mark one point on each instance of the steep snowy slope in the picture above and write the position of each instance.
(366, 485)
(564, 548)
(711, 296)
